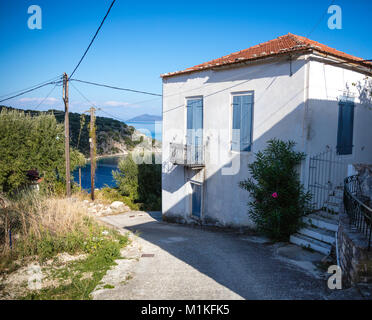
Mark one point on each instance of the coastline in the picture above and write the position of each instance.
(113, 155)
(104, 156)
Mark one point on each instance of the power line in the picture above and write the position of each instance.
(99, 109)
(50, 92)
(17, 91)
(109, 114)
(117, 88)
(82, 94)
(320, 19)
(24, 92)
(95, 35)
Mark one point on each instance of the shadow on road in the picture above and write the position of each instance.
(247, 268)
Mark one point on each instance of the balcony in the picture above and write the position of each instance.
(187, 155)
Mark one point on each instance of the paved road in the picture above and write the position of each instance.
(192, 263)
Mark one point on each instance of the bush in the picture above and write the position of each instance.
(127, 178)
(32, 143)
(279, 200)
(141, 183)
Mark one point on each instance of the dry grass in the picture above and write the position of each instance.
(44, 229)
(39, 225)
(57, 216)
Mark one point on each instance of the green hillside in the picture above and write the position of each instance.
(113, 136)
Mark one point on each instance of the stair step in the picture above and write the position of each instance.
(332, 207)
(333, 203)
(319, 234)
(321, 220)
(336, 198)
(312, 243)
(338, 192)
(327, 215)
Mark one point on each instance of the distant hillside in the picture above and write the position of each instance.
(146, 117)
(113, 136)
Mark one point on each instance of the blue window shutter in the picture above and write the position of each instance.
(235, 143)
(345, 128)
(196, 199)
(198, 127)
(195, 129)
(190, 119)
(246, 120)
(198, 121)
(242, 123)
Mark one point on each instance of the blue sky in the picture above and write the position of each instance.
(141, 40)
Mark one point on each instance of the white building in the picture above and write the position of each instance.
(290, 88)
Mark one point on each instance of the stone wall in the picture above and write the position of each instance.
(354, 257)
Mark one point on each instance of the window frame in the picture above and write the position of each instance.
(185, 115)
(240, 93)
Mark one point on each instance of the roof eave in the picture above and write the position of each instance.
(362, 66)
(300, 50)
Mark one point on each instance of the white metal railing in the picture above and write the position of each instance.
(186, 154)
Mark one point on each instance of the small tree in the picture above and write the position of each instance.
(140, 182)
(278, 198)
(127, 177)
(32, 143)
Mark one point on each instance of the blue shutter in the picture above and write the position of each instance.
(345, 128)
(235, 143)
(242, 123)
(196, 199)
(246, 120)
(198, 121)
(190, 120)
(195, 129)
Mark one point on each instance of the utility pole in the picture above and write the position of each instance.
(80, 178)
(92, 143)
(67, 135)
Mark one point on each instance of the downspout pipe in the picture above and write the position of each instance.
(305, 175)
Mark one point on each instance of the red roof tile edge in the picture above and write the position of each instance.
(279, 46)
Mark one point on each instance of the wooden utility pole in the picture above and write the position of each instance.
(80, 178)
(92, 142)
(67, 135)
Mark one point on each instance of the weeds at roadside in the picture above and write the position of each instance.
(48, 227)
(79, 278)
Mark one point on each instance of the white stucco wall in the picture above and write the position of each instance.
(278, 112)
(327, 84)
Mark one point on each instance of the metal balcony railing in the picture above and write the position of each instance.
(187, 155)
(356, 206)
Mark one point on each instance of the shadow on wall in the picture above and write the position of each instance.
(210, 77)
(224, 203)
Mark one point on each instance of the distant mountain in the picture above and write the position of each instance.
(146, 117)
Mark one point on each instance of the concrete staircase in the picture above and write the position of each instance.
(321, 226)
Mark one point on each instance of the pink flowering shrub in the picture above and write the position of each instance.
(277, 198)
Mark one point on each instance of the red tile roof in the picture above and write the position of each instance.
(281, 45)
